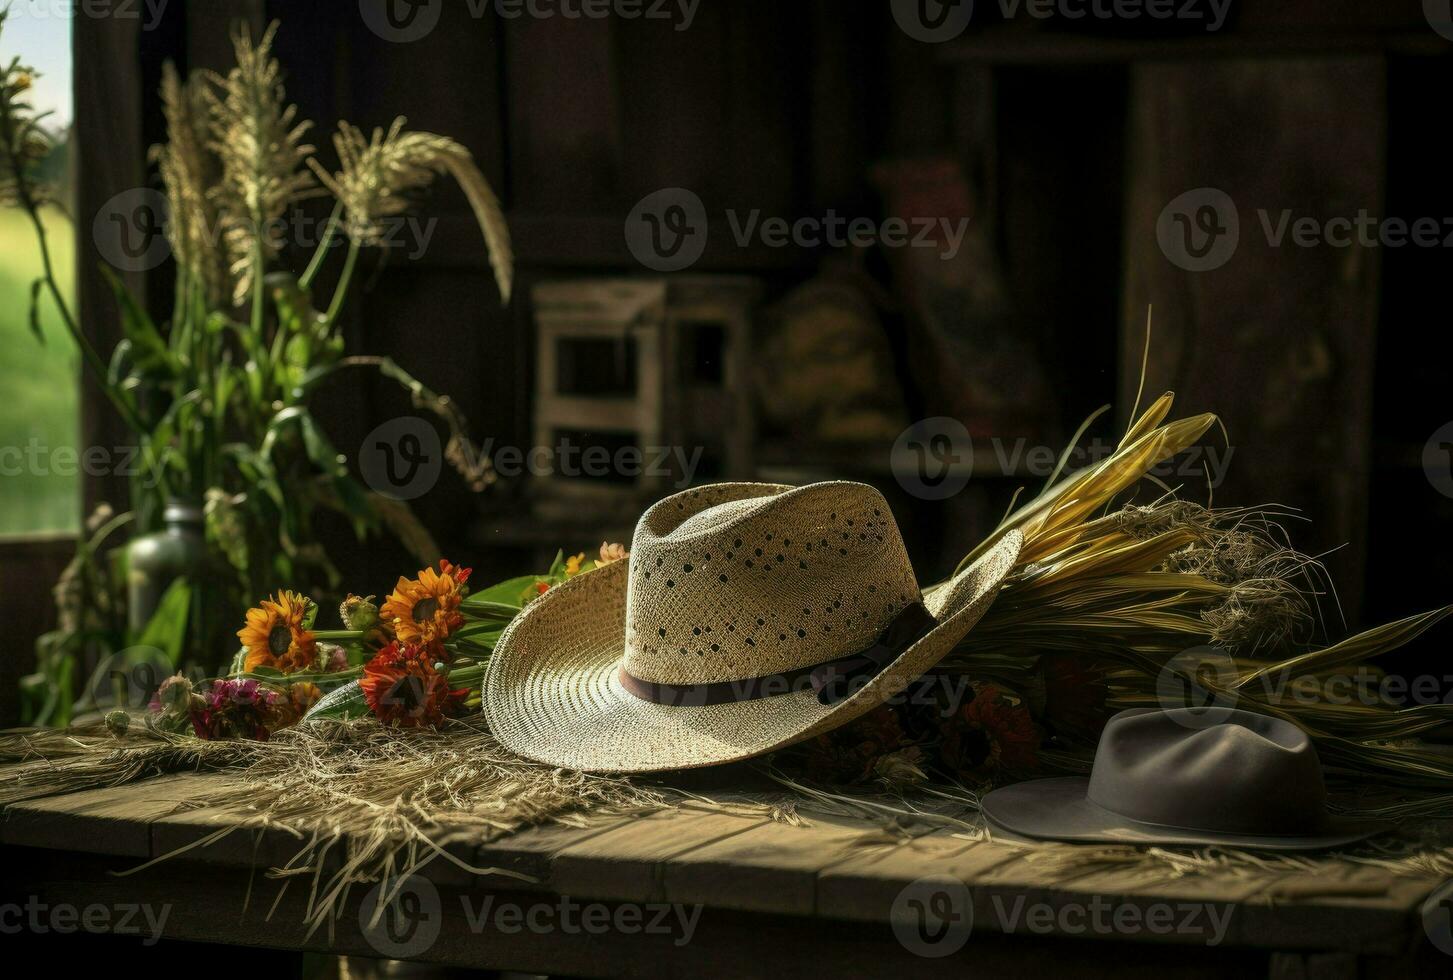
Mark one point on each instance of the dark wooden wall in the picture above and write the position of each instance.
(1072, 139)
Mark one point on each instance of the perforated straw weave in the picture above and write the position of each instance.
(724, 583)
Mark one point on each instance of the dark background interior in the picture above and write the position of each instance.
(1328, 365)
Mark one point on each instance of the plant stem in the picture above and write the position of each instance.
(337, 636)
(341, 293)
(88, 352)
(330, 232)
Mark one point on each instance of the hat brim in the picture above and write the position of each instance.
(553, 694)
(1059, 809)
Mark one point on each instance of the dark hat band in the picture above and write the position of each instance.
(833, 680)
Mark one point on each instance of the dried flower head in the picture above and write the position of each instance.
(188, 169)
(259, 140)
(173, 697)
(23, 143)
(379, 174)
(358, 612)
(117, 722)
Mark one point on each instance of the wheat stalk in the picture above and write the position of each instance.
(379, 174)
(258, 138)
(1130, 590)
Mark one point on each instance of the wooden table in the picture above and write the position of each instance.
(705, 894)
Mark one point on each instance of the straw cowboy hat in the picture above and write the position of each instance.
(748, 616)
(1182, 776)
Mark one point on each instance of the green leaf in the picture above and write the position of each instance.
(494, 611)
(149, 347)
(510, 592)
(344, 703)
(167, 628)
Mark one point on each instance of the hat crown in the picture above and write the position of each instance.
(743, 580)
(1245, 773)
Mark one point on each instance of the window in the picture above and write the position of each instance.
(40, 458)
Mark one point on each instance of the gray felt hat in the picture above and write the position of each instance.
(1182, 776)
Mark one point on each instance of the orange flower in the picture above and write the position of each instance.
(303, 696)
(573, 563)
(404, 687)
(425, 610)
(276, 634)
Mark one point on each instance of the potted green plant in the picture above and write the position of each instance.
(218, 395)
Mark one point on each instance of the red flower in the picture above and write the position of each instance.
(460, 575)
(991, 735)
(403, 687)
(237, 709)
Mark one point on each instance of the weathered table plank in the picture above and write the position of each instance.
(770, 868)
(625, 863)
(743, 863)
(110, 821)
